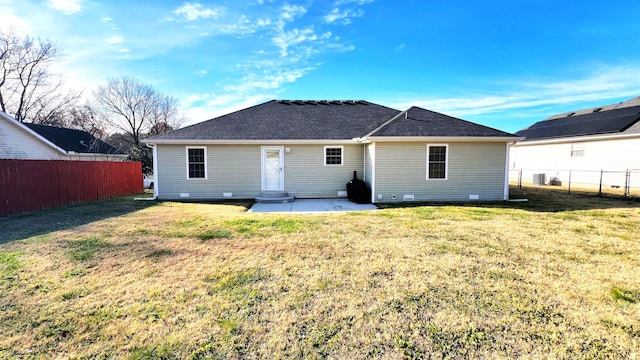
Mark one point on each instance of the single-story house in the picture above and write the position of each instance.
(310, 149)
(584, 141)
(40, 142)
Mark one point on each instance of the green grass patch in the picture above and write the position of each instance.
(625, 295)
(73, 273)
(10, 264)
(211, 234)
(155, 352)
(235, 280)
(87, 248)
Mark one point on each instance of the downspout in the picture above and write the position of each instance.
(155, 171)
(364, 161)
(506, 170)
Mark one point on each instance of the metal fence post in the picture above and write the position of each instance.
(569, 181)
(600, 189)
(627, 183)
(520, 179)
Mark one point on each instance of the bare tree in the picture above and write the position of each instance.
(135, 108)
(28, 90)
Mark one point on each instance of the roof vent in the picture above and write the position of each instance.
(597, 109)
(571, 114)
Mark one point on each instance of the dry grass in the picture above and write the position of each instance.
(553, 278)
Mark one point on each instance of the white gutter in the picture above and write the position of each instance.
(155, 170)
(573, 139)
(506, 171)
(247, 142)
(442, 138)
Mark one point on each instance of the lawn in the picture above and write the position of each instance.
(556, 277)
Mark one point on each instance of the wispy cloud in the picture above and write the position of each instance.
(600, 87)
(401, 47)
(66, 6)
(290, 12)
(195, 11)
(113, 40)
(342, 17)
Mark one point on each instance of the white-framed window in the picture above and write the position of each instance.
(437, 161)
(577, 150)
(196, 162)
(333, 155)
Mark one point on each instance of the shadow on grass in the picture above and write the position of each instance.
(26, 225)
(542, 199)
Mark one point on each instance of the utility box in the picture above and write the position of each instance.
(539, 179)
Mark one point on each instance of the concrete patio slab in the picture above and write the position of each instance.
(312, 206)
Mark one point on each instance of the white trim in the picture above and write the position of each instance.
(573, 139)
(155, 171)
(373, 173)
(333, 147)
(262, 172)
(441, 138)
(446, 163)
(364, 162)
(506, 171)
(251, 142)
(186, 152)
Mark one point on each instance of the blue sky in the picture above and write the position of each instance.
(505, 64)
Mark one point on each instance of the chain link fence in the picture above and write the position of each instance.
(604, 182)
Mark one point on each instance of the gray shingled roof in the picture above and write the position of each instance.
(290, 120)
(421, 122)
(622, 117)
(629, 103)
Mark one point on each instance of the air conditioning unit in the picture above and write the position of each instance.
(539, 179)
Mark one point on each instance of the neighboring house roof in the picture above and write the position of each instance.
(421, 122)
(72, 140)
(620, 118)
(325, 120)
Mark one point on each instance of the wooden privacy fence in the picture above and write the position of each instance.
(27, 185)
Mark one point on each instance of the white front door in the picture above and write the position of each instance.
(272, 169)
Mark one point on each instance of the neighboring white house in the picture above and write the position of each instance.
(310, 149)
(39, 142)
(585, 142)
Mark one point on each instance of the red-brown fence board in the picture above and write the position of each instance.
(27, 185)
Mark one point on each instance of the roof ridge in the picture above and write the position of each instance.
(386, 123)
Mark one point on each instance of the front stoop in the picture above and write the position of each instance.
(274, 197)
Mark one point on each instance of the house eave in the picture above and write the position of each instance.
(573, 139)
(33, 133)
(440, 139)
(248, 142)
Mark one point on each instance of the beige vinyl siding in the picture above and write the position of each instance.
(230, 169)
(306, 176)
(236, 169)
(473, 169)
(16, 143)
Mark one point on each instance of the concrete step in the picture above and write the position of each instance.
(286, 198)
(274, 194)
